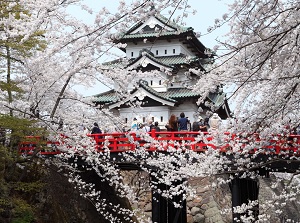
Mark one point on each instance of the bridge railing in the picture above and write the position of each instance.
(163, 141)
(118, 142)
(152, 141)
(37, 143)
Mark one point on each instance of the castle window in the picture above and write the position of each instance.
(161, 118)
(151, 82)
(152, 119)
(144, 119)
(126, 120)
(166, 51)
(156, 52)
(159, 82)
(173, 51)
(131, 54)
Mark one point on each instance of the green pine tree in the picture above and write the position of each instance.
(14, 127)
(13, 49)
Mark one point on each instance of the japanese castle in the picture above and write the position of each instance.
(169, 50)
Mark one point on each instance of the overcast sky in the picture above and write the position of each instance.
(207, 12)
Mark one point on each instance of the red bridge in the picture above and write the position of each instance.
(163, 141)
(285, 149)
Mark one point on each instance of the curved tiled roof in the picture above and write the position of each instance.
(178, 29)
(151, 34)
(151, 57)
(156, 93)
(170, 23)
(164, 60)
(216, 98)
(177, 59)
(177, 93)
(172, 95)
(106, 97)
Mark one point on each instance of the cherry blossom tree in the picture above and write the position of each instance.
(261, 61)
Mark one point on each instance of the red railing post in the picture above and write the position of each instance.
(153, 133)
(115, 146)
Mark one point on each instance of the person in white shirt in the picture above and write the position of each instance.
(215, 122)
(134, 125)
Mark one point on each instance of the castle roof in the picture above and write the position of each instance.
(170, 97)
(166, 61)
(158, 28)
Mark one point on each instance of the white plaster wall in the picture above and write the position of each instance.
(158, 83)
(189, 109)
(159, 46)
(157, 112)
(181, 80)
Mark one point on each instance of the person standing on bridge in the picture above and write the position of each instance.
(215, 122)
(150, 123)
(203, 126)
(156, 127)
(134, 125)
(96, 129)
(183, 122)
(172, 125)
(196, 124)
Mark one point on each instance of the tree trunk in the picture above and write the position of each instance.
(8, 78)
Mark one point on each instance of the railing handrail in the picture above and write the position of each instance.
(122, 141)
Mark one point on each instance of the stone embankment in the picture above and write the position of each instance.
(212, 204)
(206, 205)
(203, 207)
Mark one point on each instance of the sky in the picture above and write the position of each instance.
(207, 12)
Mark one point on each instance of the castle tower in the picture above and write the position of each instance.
(171, 50)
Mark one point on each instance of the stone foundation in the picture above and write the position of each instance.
(208, 204)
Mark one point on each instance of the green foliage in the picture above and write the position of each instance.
(19, 128)
(2, 160)
(17, 194)
(18, 186)
(22, 212)
(18, 43)
(5, 204)
(17, 47)
(10, 86)
(28, 187)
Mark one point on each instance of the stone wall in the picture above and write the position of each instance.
(211, 204)
(285, 210)
(59, 202)
(208, 205)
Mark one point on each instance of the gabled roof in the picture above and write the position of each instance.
(169, 26)
(166, 61)
(170, 97)
(147, 57)
(167, 30)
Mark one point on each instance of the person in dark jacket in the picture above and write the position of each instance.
(96, 129)
(156, 127)
(196, 125)
(183, 122)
